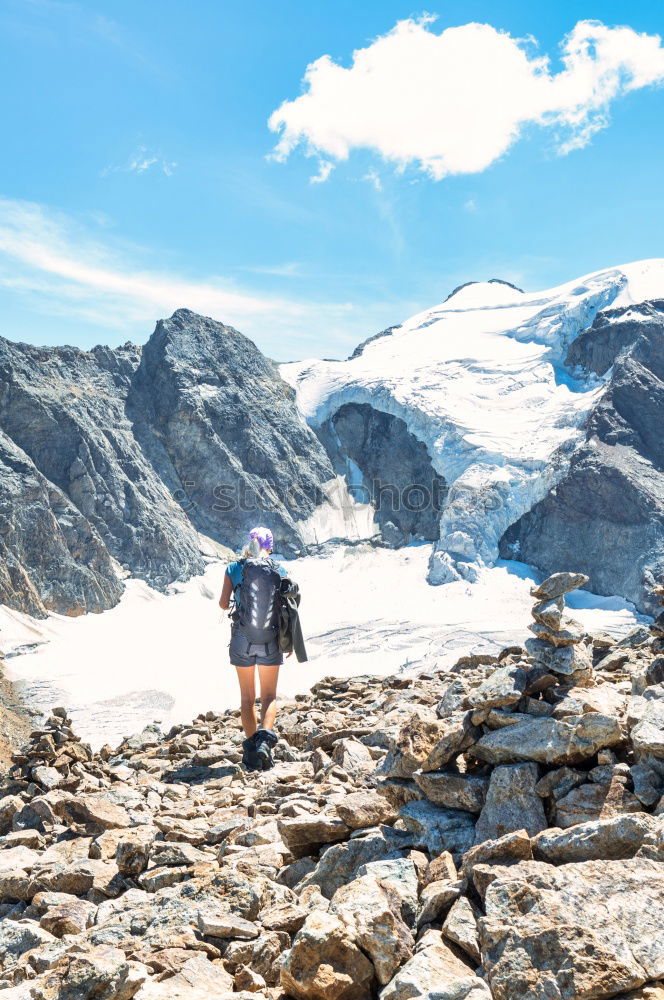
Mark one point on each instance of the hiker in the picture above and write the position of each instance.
(254, 582)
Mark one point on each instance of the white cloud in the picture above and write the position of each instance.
(65, 270)
(325, 168)
(454, 102)
(373, 177)
(140, 161)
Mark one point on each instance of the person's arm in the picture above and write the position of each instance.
(226, 592)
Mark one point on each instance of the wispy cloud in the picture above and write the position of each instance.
(65, 268)
(454, 102)
(289, 269)
(325, 168)
(140, 161)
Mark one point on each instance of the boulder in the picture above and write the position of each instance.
(648, 734)
(324, 962)
(438, 829)
(557, 932)
(366, 808)
(102, 972)
(340, 862)
(550, 741)
(511, 803)
(99, 810)
(593, 800)
(71, 917)
(461, 927)
(401, 875)
(304, 835)
(434, 971)
(132, 852)
(506, 850)
(414, 742)
(371, 910)
(453, 790)
(615, 838)
(504, 686)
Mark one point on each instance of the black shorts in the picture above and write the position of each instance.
(244, 653)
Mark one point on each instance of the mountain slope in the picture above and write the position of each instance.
(607, 513)
(120, 452)
(495, 384)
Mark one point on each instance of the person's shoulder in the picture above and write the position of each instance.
(234, 570)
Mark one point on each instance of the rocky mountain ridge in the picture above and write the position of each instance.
(500, 423)
(113, 461)
(491, 829)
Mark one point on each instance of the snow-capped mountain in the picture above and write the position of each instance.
(504, 390)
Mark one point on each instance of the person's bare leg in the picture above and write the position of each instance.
(268, 677)
(247, 678)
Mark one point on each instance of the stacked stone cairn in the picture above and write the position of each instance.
(493, 828)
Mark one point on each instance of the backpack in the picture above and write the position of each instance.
(258, 599)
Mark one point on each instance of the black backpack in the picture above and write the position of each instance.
(258, 599)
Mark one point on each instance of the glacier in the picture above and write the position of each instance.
(480, 380)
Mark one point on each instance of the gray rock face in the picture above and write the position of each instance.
(398, 478)
(511, 803)
(548, 932)
(614, 486)
(112, 461)
(51, 557)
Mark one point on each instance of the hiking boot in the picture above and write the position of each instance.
(249, 755)
(265, 740)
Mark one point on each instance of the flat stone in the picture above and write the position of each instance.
(218, 923)
(569, 633)
(557, 585)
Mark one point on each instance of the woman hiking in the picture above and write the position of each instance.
(254, 581)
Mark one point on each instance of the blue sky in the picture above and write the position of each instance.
(138, 172)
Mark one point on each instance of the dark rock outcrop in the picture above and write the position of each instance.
(607, 514)
(109, 460)
(385, 465)
(213, 410)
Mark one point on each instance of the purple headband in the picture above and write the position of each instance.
(263, 536)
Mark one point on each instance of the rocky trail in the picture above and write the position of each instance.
(493, 828)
